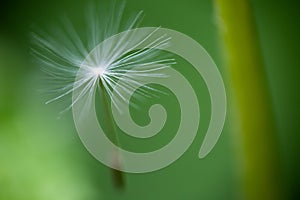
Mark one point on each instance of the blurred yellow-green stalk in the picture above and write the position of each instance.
(256, 132)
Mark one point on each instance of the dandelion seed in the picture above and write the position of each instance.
(63, 53)
(75, 63)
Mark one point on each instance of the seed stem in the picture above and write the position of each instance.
(118, 176)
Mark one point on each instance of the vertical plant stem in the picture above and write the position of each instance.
(118, 176)
(259, 151)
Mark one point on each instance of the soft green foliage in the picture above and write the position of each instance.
(42, 157)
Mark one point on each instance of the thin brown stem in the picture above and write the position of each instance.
(118, 176)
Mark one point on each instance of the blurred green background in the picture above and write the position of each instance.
(41, 156)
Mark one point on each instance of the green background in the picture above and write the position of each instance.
(41, 156)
